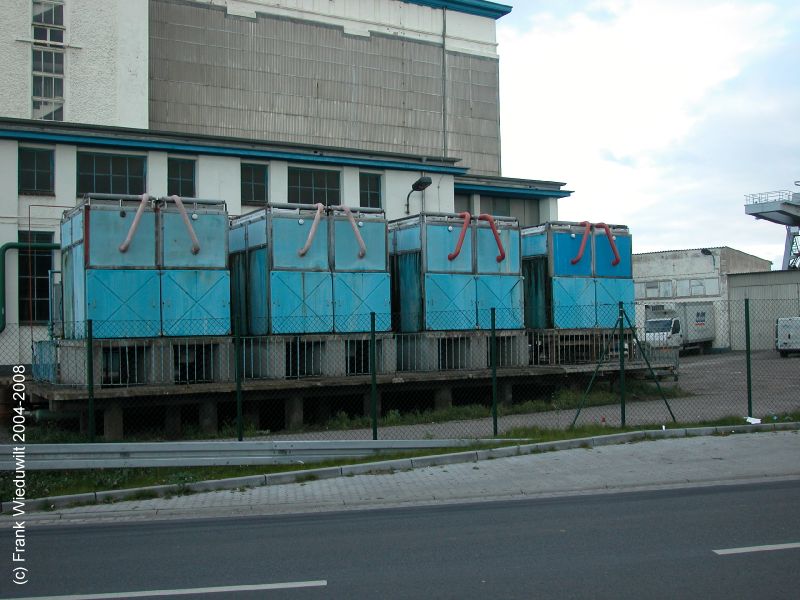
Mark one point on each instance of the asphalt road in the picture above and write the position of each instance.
(654, 544)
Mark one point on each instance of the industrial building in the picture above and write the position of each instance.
(352, 103)
(692, 275)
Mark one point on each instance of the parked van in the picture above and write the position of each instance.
(787, 335)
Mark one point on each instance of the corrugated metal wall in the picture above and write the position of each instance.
(283, 80)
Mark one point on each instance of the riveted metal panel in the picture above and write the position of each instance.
(573, 302)
(108, 229)
(534, 245)
(604, 255)
(123, 303)
(566, 247)
(211, 230)
(450, 302)
(487, 251)
(441, 240)
(504, 293)
(346, 248)
(609, 293)
(293, 232)
(301, 302)
(195, 302)
(355, 296)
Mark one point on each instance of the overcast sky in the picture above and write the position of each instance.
(658, 114)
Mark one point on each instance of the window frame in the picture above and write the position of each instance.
(48, 37)
(319, 194)
(50, 172)
(180, 180)
(30, 305)
(111, 156)
(251, 185)
(370, 192)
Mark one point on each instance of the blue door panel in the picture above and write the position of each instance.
(573, 302)
(290, 235)
(196, 303)
(109, 229)
(504, 294)
(211, 231)
(450, 302)
(442, 241)
(355, 296)
(123, 303)
(609, 293)
(565, 249)
(301, 302)
(604, 256)
(346, 246)
(488, 251)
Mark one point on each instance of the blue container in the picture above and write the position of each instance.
(149, 280)
(438, 286)
(574, 277)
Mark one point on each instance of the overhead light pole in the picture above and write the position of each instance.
(419, 185)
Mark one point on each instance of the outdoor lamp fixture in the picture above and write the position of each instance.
(707, 252)
(419, 185)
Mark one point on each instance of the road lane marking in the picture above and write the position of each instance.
(756, 549)
(185, 592)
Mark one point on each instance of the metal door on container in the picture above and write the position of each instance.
(211, 230)
(573, 302)
(450, 302)
(504, 294)
(442, 241)
(195, 302)
(123, 303)
(566, 248)
(290, 234)
(609, 293)
(301, 302)
(488, 251)
(108, 229)
(604, 255)
(355, 296)
(346, 248)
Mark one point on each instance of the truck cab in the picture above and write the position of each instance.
(663, 331)
(787, 335)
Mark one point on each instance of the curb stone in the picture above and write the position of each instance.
(393, 465)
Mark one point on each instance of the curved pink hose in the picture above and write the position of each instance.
(313, 231)
(362, 247)
(578, 258)
(123, 247)
(616, 260)
(188, 223)
(490, 220)
(466, 216)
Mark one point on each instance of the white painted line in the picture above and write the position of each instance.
(184, 592)
(756, 549)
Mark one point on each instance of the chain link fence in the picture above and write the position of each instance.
(112, 381)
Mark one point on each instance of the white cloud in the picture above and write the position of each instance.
(611, 98)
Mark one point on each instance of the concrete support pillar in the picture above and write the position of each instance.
(172, 422)
(504, 392)
(368, 404)
(208, 417)
(293, 412)
(112, 421)
(443, 398)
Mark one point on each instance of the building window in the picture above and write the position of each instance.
(34, 278)
(35, 171)
(180, 177)
(310, 186)
(369, 190)
(48, 60)
(254, 184)
(110, 174)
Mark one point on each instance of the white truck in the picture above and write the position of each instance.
(787, 335)
(681, 325)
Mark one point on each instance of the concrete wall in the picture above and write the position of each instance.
(374, 76)
(105, 62)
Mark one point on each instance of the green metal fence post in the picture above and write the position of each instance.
(621, 349)
(90, 376)
(373, 369)
(747, 352)
(493, 354)
(237, 356)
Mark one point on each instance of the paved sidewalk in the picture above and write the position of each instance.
(640, 465)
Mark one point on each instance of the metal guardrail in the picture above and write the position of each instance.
(762, 197)
(194, 454)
